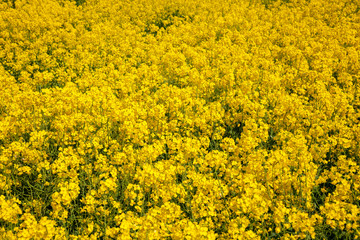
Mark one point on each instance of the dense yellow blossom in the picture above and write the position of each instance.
(185, 119)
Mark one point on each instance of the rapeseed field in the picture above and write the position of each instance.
(179, 119)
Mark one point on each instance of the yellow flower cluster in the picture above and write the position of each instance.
(179, 119)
